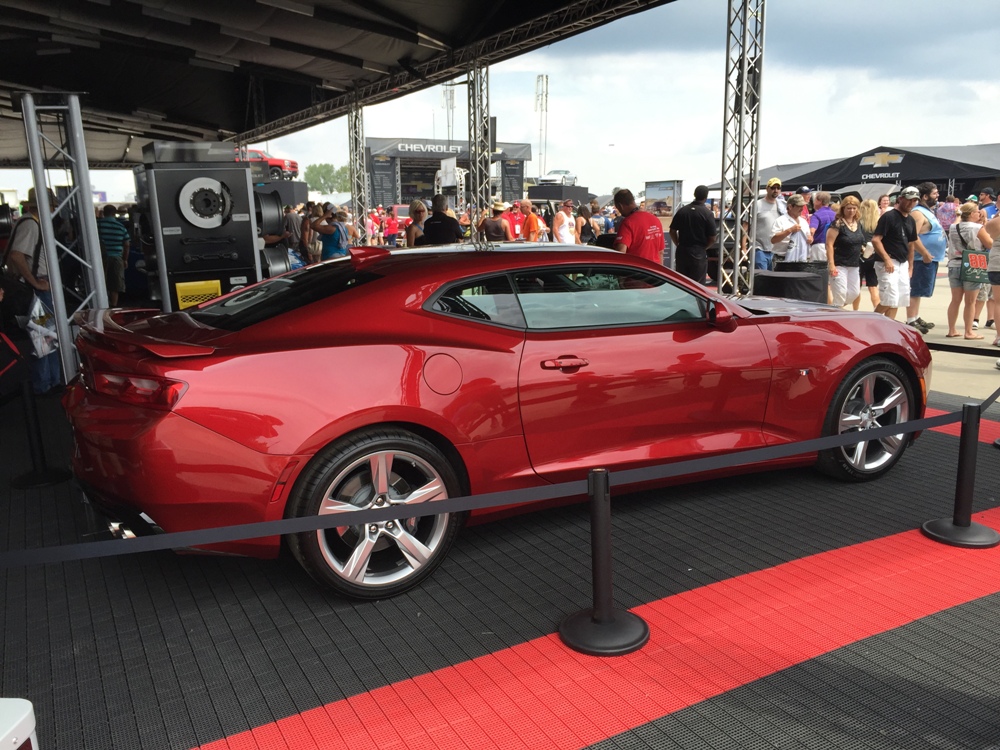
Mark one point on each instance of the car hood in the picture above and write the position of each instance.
(778, 306)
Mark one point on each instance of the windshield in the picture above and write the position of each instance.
(280, 295)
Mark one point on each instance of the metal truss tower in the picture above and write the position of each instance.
(359, 170)
(740, 140)
(542, 107)
(479, 134)
(53, 128)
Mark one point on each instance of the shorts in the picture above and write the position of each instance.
(114, 273)
(994, 277)
(955, 280)
(845, 286)
(763, 260)
(923, 278)
(985, 292)
(868, 271)
(893, 288)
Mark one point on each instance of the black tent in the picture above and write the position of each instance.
(969, 166)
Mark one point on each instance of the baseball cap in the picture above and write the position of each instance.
(567, 202)
(803, 190)
(796, 200)
(988, 191)
(774, 181)
(516, 203)
(908, 193)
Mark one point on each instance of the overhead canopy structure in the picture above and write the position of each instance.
(965, 165)
(246, 70)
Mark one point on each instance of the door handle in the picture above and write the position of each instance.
(564, 363)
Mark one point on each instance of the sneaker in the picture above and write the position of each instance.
(916, 324)
(989, 323)
(975, 324)
(924, 323)
(997, 364)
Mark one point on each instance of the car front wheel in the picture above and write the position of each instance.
(376, 469)
(876, 393)
(276, 174)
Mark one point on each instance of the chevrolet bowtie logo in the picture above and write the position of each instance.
(882, 159)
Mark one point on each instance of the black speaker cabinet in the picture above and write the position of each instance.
(202, 218)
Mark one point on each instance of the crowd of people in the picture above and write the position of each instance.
(893, 249)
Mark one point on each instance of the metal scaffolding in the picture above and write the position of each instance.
(54, 131)
(740, 140)
(359, 168)
(479, 134)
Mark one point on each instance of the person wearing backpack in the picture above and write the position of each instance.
(26, 260)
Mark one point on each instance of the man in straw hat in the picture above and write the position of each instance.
(27, 258)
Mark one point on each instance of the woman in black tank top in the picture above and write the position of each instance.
(496, 229)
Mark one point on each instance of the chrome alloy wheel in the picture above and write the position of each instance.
(384, 552)
(878, 399)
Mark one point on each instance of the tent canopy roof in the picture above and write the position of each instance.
(248, 70)
(893, 164)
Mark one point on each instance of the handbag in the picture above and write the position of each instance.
(974, 263)
(17, 294)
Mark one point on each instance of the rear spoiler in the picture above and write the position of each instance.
(105, 327)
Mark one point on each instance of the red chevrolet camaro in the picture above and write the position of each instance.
(406, 377)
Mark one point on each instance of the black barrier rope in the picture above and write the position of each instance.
(181, 539)
(940, 346)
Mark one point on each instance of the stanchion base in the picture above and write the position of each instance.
(623, 635)
(41, 478)
(945, 531)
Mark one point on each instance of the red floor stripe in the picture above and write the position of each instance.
(989, 430)
(703, 643)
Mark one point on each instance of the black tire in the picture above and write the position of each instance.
(276, 174)
(378, 560)
(876, 393)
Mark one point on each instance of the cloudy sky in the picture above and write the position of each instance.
(641, 99)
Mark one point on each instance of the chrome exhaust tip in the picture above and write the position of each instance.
(119, 530)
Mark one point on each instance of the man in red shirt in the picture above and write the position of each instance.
(640, 233)
(515, 218)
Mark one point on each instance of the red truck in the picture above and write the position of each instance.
(277, 169)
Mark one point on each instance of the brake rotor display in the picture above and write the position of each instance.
(205, 203)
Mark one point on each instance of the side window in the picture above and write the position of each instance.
(491, 300)
(589, 297)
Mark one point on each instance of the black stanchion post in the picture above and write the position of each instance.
(959, 530)
(602, 630)
(41, 475)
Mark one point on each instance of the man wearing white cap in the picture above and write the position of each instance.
(895, 242)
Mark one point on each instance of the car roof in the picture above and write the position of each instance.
(468, 259)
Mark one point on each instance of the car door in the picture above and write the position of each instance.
(621, 368)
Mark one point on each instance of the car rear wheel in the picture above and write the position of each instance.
(375, 469)
(876, 393)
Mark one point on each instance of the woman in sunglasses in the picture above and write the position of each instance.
(415, 229)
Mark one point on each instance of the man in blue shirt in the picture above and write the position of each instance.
(987, 202)
(114, 247)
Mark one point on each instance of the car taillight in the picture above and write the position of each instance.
(141, 390)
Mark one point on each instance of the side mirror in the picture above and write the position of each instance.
(719, 316)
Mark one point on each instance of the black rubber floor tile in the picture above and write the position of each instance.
(215, 646)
